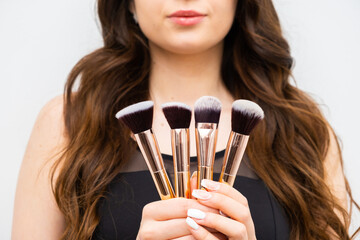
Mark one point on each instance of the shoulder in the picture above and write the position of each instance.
(35, 210)
(334, 172)
(48, 134)
(52, 113)
(333, 160)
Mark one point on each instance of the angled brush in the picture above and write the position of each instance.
(138, 117)
(245, 115)
(207, 114)
(178, 116)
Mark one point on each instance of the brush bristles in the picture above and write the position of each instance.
(138, 117)
(177, 114)
(245, 116)
(207, 110)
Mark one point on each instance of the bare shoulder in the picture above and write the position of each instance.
(36, 215)
(334, 172)
(48, 135)
(333, 160)
(51, 115)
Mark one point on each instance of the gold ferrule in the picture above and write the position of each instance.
(233, 155)
(150, 150)
(206, 137)
(180, 144)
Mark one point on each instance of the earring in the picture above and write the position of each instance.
(135, 18)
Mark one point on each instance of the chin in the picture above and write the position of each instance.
(189, 47)
(188, 50)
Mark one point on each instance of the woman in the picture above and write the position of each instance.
(82, 177)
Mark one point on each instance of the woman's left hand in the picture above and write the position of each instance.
(235, 222)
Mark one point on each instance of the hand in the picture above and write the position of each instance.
(166, 219)
(237, 224)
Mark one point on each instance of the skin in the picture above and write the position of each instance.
(36, 214)
(185, 66)
(186, 60)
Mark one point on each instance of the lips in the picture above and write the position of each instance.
(186, 13)
(187, 17)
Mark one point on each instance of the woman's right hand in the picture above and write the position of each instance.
(166, 219)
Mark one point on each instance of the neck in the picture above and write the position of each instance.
(185, 78)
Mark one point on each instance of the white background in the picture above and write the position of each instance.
(41, 40)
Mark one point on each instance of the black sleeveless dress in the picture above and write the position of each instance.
(120, 210)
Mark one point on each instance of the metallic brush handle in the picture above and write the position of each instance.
(150, 150)
(180, 144)
(233, 155)
(206, 137)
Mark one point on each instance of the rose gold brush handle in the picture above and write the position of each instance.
(150, 150)
(180, 143)
(206, 137)
(233, 155)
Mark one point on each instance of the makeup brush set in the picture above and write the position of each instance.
(138, 117)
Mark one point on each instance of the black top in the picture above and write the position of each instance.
(120, 211)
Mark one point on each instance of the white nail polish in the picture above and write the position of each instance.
(201, 194)
(208, 184)
(192, 223)
(195, 213)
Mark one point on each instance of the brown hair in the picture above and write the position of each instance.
(287, 150)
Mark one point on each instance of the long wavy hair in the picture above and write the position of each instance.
(287, 150)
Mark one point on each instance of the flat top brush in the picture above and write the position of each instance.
(244, 118)
(207, 116)
(178, 116)
(139, 117)
(207, 110)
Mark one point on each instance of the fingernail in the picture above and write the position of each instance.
(208, 184)
(195, 213)
(192, 223)
(194, 174)
(201, 194)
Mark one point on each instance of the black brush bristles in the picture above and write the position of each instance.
(177, 114)
(245, 116)
(207, 110)
(138, 117)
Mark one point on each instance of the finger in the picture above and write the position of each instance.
(160, 229)
(189, 237)
(227, 205)
(220, 236)
(159, 210)
(197, 231)
(229, 227)
(223, 188)
(193, 182)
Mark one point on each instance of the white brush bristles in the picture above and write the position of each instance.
(176, 104)
(207, 102)
(248, 107)
(207, 109)
(134, 108)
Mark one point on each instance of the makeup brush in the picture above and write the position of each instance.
(138, 117)
(207, 114)
(245, 116)
(178, 116)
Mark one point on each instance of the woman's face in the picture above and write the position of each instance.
(184, 26)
